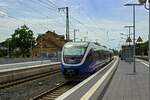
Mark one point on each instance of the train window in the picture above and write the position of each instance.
(90, 56)
(73, 54)
(95, 55)
(100, 54)
(74, 51)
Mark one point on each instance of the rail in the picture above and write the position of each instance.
(55, 92)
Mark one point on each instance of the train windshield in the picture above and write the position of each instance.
(73, 54)
(74, 51)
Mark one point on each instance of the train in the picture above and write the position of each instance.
(81, 59)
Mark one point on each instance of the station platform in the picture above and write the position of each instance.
(128, 86)
(116, 81)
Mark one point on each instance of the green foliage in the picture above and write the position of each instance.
(21, 42)
(115, 52)
(142, 48)
(145, 48)
(3, 53)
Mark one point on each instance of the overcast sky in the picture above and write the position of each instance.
(104, 20)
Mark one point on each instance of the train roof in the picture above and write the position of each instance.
(94, 45)
(81, 44)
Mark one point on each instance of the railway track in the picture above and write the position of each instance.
(55, 92)
(27, 79)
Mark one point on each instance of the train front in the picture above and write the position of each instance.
(73, 57)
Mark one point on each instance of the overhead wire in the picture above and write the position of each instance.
(34, 25)
(81, 23)
(70, 15)
(93, 22)
(23, 22)
(32, 8)
(55, 8)
(43, 4)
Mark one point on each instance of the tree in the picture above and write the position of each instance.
(3, 49)
(22, 41)
(142, 48)
(145, 48)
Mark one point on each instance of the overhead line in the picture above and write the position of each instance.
(39, 10)
(33, 25)
(46, 5)
(61, 15)
(52, 3)
(70, 15)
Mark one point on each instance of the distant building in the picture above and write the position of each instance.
(48, 44)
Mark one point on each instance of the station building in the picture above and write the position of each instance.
(48, 45)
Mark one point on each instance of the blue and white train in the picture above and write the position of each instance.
(81, 59)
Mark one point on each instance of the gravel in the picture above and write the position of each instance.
(27, 90)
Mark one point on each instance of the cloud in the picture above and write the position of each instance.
(96, 22)
(3, 4)
(3, 14)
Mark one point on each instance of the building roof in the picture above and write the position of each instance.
(50, 41)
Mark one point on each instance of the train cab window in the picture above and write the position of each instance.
(73, 54)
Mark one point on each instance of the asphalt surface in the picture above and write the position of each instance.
(129, 86)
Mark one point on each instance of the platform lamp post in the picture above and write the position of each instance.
(133, 5)
(144, 2)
